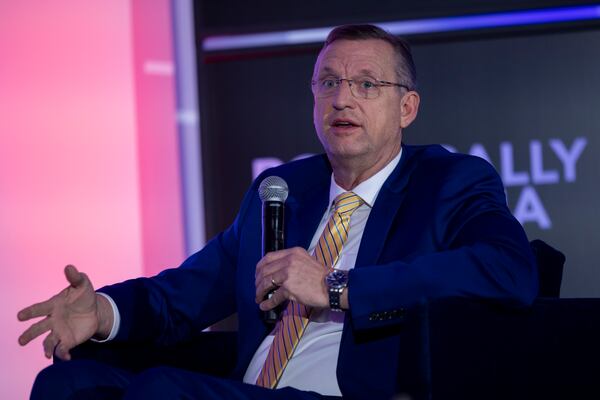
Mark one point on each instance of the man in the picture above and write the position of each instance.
(373, 228)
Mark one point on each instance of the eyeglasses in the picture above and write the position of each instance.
(362, 88)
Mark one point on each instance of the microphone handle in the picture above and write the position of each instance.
(272, 240)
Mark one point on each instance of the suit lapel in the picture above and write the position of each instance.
(385, 208)
(305, 208)
(308, 201)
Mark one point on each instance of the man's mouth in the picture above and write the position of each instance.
(343, 123)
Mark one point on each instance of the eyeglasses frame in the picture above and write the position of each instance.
(380, 83)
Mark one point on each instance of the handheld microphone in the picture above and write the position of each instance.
(273, 191)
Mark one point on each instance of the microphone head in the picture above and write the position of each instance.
(273, 188)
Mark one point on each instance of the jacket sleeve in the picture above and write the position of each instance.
(482, 252)
(180, 302)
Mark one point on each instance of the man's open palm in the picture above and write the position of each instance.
(71, 316)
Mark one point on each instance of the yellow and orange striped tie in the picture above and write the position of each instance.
(295, 318)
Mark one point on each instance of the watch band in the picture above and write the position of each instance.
(335, 295)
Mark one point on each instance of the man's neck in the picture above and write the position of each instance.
(350, 174)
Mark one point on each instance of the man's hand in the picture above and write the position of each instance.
(298, 277)
(72, 316)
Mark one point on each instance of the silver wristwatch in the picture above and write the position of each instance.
(336, 281)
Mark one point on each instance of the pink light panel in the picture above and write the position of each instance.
(89, 166)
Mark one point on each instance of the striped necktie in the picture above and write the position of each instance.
(295, 317)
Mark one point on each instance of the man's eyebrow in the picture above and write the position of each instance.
(330, 70)
(326, 70)
(367, 71)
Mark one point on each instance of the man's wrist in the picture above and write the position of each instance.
(104, 312)
(344, 303)
(337, 283)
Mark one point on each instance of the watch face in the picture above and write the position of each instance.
(337, 279)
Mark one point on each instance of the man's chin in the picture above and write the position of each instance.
(344, 148)
(345, 152)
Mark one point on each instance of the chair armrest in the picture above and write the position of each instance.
(474, 349)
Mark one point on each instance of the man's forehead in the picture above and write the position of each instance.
(362, 56)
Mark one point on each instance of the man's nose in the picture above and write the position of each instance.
(343, 96)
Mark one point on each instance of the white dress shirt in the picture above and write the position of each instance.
(314, 362)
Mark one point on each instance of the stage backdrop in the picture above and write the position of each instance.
(89, 158)
(524, 99)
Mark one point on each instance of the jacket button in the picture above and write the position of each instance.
(375, 316)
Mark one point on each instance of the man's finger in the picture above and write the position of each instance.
(277, 298)
(34, 331)
(276, 255)
(261, 292)
(74, 277)
(35, 310)
(62, 351)
(268, 270)
(267, 284)
(276, 260)
(50, 344)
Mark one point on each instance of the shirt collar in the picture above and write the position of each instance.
(369, 189)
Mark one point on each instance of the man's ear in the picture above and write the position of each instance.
(409, 108)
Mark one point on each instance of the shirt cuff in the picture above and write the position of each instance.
(116, 319)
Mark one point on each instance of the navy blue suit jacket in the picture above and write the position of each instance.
(440, 227)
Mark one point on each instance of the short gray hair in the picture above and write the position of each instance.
(406, 69)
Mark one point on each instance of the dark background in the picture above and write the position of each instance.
(489, 86)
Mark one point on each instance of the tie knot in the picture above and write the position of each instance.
(347, 202)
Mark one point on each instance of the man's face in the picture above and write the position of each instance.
(350, 127)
